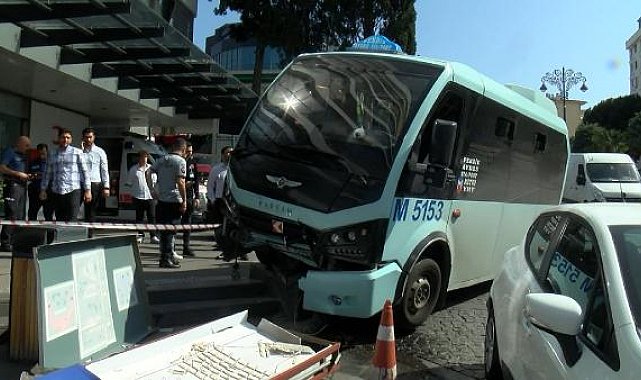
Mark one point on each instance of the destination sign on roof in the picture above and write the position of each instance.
(378, 43)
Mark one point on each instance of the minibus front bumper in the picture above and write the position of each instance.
(359, 294)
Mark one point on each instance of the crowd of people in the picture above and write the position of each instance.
(61, 180)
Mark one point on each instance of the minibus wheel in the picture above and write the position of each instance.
(420, 294)
(266, 256)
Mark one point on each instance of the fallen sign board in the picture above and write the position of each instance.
(227, 348)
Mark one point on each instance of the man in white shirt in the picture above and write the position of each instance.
(140, 181)
(216, 185)
(98, 167)
(215, 202)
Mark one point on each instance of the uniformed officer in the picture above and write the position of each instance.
(172, 199)
(13, 165)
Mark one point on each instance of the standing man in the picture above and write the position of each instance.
(216, 184)
(13, 166)
(192, 182)
(215, 202)
(96, 159)
(36, 170)
(140, 183)
(172, 199)
(68, 176)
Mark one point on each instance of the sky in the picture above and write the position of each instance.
(516, 41)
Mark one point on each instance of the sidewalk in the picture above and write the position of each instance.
(202, 268)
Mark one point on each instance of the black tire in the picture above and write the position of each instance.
(229, 247)
(420, 295)
(492, 365)
(266, 256)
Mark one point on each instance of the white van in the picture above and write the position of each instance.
(601, 177)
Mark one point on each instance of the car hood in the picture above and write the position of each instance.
(619, 189)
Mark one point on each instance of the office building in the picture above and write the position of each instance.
(115, 65)
(238, 57)
(633, 44)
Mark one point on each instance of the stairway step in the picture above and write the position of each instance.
(195, 282)
(198, 312)
(218, 291)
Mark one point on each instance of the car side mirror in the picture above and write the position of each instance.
(560, 316)
(580, 180)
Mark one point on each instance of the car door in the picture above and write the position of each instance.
(573, 269)
(517, 332)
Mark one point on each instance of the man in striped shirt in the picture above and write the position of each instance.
(68, 175)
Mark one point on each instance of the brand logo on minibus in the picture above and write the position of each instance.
(282, 182)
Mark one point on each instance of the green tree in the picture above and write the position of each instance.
(312, 25)
(614, 113)
(400, 24)
(595, 138)
(634, 135)
(260, 20)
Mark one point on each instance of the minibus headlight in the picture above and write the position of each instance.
(360, 243)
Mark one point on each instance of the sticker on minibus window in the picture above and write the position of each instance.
(466, 180)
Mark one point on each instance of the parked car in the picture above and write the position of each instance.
(567, 302)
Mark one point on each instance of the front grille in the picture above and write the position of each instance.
(262, 223)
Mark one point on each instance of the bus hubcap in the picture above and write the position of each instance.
(421, 290)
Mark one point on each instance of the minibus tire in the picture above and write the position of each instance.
(266, 256)
(420, 294)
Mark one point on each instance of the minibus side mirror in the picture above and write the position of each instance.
(438, 173)
(442, 142)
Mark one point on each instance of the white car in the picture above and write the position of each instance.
(567, 301)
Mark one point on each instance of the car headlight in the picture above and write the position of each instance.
(362, 243)
(598, 195)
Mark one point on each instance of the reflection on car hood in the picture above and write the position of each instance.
(619, 189)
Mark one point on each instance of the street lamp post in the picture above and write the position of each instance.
(563, 79)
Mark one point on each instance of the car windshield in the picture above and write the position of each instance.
(627, 240)
(612, 172)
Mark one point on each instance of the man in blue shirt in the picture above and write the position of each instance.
(13, 167)
(97, 164)
(68, 176)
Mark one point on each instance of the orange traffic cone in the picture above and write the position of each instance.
(385, 352)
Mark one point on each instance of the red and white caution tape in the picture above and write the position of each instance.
(113, 226)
